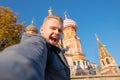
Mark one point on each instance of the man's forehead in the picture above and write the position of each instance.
(52, 23)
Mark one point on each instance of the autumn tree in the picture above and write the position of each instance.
(10, 30)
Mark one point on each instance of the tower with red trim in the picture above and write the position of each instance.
(75, 56)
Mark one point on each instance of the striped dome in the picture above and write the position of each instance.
(69, 22)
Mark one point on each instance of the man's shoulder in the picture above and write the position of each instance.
(38, 37)
(27, 45)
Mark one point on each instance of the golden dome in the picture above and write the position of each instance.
(31, 27)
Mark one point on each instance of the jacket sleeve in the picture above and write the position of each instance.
(24, 61)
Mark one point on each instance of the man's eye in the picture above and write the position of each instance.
(60, 30)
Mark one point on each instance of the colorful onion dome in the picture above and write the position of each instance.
(69, 22)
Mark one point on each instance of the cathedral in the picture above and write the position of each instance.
(78, 64)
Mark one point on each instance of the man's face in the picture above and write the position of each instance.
(52, 31)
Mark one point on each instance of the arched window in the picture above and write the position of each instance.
(78, 62)
(107, 60)
(103, 63)
(83, 63)
(74, 63)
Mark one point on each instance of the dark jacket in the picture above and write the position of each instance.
(57, 66)
(30, 60)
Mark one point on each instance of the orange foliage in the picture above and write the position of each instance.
(10, 31)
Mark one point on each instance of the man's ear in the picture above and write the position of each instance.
(41, 29)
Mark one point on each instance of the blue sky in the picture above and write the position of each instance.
(101, 17)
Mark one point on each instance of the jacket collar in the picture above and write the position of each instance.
(60, 53)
